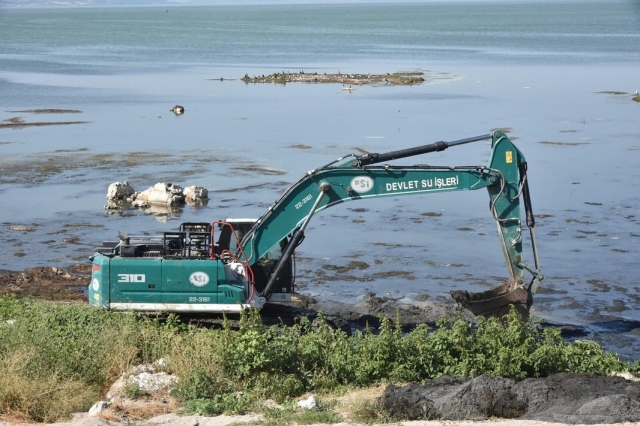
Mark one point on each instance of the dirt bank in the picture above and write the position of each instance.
(176, 420)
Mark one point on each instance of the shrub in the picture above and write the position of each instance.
(69, 354)
(132, 390)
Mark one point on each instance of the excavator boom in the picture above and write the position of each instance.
(357, 178)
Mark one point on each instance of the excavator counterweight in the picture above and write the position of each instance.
(250, 263)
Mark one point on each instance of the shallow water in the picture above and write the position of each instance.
(583, 149)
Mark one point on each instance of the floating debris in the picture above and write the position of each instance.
(178, 110)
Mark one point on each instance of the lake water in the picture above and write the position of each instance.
(545, 72)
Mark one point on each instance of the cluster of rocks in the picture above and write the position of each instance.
(164, 194)
(150, 384)
(150, 380)
(564, 398)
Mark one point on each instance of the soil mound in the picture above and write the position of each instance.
(566, 398)
(48, 282)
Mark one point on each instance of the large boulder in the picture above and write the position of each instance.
(143, 389)
(161, 193)
(149, 378)
(119, 191)
(195, 193)
(99, 408)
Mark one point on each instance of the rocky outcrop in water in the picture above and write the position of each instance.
(163, 194)
(160, 193)
(398, 78)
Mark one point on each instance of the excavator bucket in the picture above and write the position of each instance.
(496, 302)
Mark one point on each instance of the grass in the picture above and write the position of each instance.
(56, 359)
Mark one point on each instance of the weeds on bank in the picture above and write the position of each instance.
(56, 359)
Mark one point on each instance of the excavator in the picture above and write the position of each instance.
(250, 264)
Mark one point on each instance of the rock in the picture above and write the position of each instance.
(195, 193)
(141, 204)
(566, 398)
(309, 403)
(22, 228)
(152, 383)
(112, 206)
(162, 193)
(98, 408)
(119, 191)
(147, 377)
(626, 375)
(483, 397)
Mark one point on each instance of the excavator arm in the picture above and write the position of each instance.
(362, 177)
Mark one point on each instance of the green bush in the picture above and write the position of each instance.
(84, 349)
(132, 390)
(233, 403)
(73, 353)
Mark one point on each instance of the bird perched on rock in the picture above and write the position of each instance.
(178, 110)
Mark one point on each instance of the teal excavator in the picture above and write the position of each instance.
(227, 266)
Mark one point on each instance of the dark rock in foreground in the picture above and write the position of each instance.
(566, 398)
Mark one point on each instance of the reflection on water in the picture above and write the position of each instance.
(162, 213)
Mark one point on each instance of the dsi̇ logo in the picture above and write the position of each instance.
(361, 184)
(199, 279)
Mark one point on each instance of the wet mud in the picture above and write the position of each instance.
(46, 111)
(563, 398)
(74, 166)
(259, 169)
(48, 283)
(563, 143)
(18, 122)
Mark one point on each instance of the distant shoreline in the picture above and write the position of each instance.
(31, 4)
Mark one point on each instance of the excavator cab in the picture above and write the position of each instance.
(228, 245)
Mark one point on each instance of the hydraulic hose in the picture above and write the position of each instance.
(373, 158)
